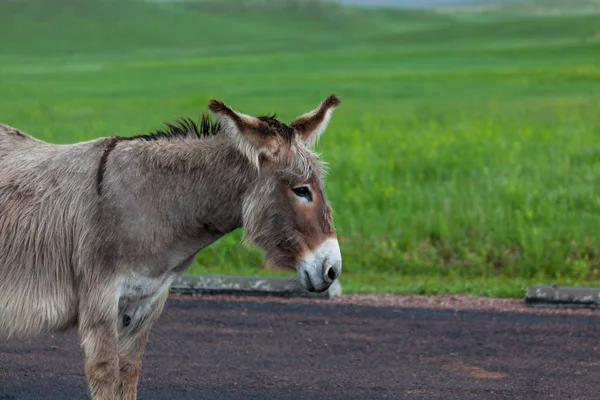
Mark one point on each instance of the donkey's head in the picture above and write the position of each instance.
(285, 210)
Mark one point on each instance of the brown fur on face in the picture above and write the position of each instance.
(293, 228)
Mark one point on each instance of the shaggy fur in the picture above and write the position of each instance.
(92, 234)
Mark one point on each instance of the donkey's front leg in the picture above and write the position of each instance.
(98, 334)
(131, 350)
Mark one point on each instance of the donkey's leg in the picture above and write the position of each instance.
(131, 351)
(98, 333)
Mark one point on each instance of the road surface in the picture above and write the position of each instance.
(229, 349)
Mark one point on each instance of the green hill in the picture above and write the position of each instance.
(130, 27)
(107, 26)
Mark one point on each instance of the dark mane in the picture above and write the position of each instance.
(182, 128)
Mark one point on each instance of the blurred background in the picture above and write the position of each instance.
(465, 156)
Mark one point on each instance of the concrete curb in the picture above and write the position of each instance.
(563, 296)
(247, 286)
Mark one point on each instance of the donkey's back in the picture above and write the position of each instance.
(13, 141)
(45, 202)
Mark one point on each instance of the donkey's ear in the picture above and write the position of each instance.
(311, 125)
(252, 136)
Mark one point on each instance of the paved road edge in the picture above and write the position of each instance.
(247, 285)
(563, 296)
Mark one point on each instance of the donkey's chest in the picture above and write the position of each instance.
(139, 299)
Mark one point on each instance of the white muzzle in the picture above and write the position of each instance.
(318, 270)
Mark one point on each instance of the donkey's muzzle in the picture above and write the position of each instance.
(318, 270)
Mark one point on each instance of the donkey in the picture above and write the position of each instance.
(92, 234)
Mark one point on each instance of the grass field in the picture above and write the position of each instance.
(464, 157)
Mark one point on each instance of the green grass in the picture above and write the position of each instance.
(464, 157)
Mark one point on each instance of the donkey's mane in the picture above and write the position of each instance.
(186, 127)
(183, 128)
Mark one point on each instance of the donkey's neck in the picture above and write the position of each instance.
(183, 193)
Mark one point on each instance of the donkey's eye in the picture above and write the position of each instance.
(303, 191)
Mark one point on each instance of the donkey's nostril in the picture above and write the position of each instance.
(331, 274)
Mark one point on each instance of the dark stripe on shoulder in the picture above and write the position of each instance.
(110, 145)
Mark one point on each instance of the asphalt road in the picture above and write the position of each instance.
(207, 349)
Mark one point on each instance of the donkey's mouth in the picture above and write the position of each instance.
(309, 285)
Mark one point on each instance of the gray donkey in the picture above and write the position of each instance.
(92, 234)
